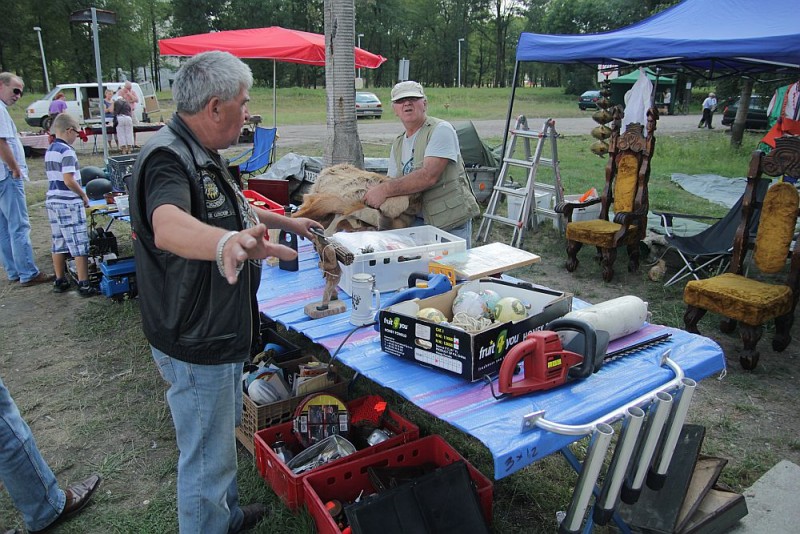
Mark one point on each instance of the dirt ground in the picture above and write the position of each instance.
(63, 380)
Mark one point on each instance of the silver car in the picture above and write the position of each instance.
(368, 105)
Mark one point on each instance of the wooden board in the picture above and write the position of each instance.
(705, 475)
(486, 260)
(718, 512)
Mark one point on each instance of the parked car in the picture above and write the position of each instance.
(589, 100)
(368, 105)
(756, 115)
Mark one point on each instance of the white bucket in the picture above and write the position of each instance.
(123, 207)
(515, 203)
(581, 214)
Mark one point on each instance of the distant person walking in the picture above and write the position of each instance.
(709, 107)
(123, 125)
(16, 249)
(58, 105)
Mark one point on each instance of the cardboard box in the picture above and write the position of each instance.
(469, 355)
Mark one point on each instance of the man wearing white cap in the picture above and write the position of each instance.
(709, 107)
(426, 158)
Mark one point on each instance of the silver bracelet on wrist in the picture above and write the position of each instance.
(221, 245)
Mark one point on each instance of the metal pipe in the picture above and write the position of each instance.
(38, 31)
(658, 474)
(601, 438)
(655, 424)
(629, 434)
(536, 419)
(99, 73)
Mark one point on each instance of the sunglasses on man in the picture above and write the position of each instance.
(17, 91)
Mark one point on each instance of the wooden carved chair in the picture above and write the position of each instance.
(625, 192)
(752, 302)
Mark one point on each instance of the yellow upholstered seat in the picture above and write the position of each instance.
(625, 193)
(747, 301)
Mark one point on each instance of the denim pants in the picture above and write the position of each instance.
(206, 406)
(23, 471)
(16, 250)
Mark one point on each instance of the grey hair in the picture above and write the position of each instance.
(8, 77)
(64, 121)
(207, 75)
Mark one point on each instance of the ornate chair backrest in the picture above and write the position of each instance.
(779, 210)
(628, 167)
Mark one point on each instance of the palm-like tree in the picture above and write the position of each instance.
(342, 144)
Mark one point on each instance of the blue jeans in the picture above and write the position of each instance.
(23, 471)
(16, 250)
(206, 406)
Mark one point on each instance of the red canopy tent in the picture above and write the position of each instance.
(275, 43)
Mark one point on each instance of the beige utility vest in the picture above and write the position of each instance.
(450, 203)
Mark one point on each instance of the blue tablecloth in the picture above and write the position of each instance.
(471, 407)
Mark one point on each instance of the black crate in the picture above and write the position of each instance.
(118, 168)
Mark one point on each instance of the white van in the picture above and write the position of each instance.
(83, 102)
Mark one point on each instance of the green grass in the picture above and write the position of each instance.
(121, 393)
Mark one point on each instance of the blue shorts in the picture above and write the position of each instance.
(68, 228)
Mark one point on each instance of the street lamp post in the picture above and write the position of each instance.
(360, 35)
(459, 60)
(38, 31)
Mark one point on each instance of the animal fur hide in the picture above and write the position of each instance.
(336, 201)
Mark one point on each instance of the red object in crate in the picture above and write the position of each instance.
(346, 480)
(269, 205)
(289, 486)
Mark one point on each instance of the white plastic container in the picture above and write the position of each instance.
(123, 207)
(392, 268)
(543, 201)
(581, 214)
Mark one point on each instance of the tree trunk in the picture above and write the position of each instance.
(737, 128)
(342, 144)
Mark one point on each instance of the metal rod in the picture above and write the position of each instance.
(38, 31)
(655, 424)
(658, 475)
(601, 438)
(99, 72)
(629, 434)
(536, 419)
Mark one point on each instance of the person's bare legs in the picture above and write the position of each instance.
(59, 264)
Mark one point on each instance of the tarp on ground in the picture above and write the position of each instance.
(740, 35)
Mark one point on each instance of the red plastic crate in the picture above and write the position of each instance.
(271, 205)
(289, 486)
(347, 480)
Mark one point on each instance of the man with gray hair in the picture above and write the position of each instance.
(426, 159)
(16, 249)
(198, 250)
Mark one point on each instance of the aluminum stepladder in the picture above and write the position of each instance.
(528, 216)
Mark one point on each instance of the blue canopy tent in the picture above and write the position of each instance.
(702, 36)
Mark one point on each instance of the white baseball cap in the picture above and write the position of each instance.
(407, 89)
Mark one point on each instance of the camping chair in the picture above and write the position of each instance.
(261, 155)
(627, 174)
(748, 301)
(710, 250)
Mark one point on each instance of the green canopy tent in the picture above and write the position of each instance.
(622, 84)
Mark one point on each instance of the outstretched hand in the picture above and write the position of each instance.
(250, 244)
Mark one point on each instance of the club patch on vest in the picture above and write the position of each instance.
(214, 198)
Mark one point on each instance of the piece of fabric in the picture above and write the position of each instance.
(206, 406)
(61, 159)
(638, 101)
(68, 228)
(742, 299)
(599, 233)
(15, 230)
(776, 229)
(754, 34)
(625, 182)
(26, 476)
